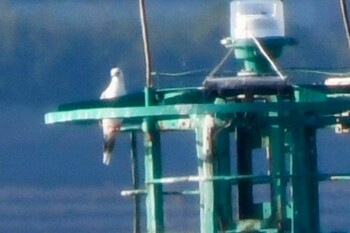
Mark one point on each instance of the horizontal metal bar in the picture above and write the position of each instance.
(185, 110)
(171, 180)
(185, 192)
(133, 192)
(256, 179)
(334, 177)
(170, 193)
(233, 179)
(128, 127)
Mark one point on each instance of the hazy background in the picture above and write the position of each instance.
(54, 52)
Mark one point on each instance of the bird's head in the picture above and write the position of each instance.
(116, 72)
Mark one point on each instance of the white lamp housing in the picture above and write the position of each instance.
(260, 18)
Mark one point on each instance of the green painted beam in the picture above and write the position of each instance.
(304, 169)
(277, 152)
(223, 189)
(208, 214)
(184, 110)
(153, 170)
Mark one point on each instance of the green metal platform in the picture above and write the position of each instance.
(284, 120)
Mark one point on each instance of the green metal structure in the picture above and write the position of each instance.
(282, 120)
(262, 111)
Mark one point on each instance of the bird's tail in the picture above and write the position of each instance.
(108, 145)
(106, 157)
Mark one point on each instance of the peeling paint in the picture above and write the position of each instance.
(183, 109)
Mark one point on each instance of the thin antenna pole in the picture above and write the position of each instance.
(345, 20)
(145, 43)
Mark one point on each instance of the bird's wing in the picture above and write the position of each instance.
(110, 129)
(122, 90)
(103, 95)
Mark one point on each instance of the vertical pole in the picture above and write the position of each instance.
(345, 16)
(277, 157)
(223, 189)
(305, 179)
(153, 167)
(154, 199)
(147, 51)
(208, 216)
(244, 167)
(153, 170)
(135, 181)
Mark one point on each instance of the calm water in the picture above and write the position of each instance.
(93, 209)
(100, 209)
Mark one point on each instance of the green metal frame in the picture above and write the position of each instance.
(284, 124)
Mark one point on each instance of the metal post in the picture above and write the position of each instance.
(277, 159)
(223, 189)
(304, 179)
(208, 214)
(153, 170)
(135, 182)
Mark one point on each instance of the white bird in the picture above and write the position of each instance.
(111, 126)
